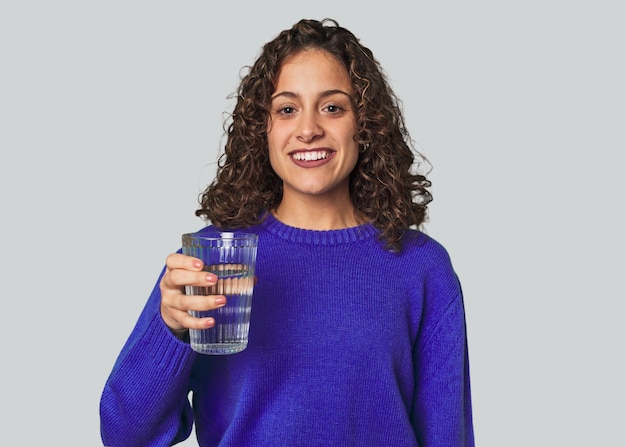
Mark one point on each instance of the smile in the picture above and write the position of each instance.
(311, 155)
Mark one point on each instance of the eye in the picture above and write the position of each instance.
(334, 109)
(285, 110)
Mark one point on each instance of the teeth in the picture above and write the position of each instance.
(310, 155)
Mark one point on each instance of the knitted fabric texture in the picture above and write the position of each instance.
(349, 345)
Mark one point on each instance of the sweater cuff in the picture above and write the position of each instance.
(168, 352)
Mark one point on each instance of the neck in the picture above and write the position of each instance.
(317, 213)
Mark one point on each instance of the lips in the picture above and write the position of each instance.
(310, 155)
(311, 158)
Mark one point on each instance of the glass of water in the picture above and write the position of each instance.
(232, 257)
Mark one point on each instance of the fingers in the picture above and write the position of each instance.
(200, 303)
(184, 271)
(180, 261)
(175, 310)
(178, 278)
(177, 317)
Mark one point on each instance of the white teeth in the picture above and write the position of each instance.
(310, 155)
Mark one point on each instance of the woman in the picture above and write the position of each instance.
(357, 335)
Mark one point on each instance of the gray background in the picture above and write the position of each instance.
(111, 120)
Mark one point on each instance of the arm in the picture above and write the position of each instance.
(442, 414)
(144, 401)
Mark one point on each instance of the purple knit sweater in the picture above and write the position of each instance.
(349, 345)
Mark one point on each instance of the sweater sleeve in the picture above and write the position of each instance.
(442, 413)
(145, 398)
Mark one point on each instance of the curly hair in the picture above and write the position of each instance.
(386, 187)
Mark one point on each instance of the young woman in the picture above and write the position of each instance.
(357, 335)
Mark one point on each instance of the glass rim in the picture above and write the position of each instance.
(221, 235)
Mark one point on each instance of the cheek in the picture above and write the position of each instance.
(271, 145)
(275, 137)
(354, 158)
(275, 159)
(352, 152)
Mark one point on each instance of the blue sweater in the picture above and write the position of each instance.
(349, 345)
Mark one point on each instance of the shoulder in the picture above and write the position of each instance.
(417, 244)
(422, 253)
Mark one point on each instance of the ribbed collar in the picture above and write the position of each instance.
(318, 237)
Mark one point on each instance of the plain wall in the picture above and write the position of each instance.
(110, 125)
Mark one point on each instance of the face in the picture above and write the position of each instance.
(312, 127)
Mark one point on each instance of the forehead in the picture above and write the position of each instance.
(313, 69)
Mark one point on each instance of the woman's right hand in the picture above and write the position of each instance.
(181, 271)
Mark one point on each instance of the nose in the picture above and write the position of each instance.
(309, 127)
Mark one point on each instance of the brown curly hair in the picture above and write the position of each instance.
(386, 187)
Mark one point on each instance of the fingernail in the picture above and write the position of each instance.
(197, 264)
(210, 277)
(219, 300)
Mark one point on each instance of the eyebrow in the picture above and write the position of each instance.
(324, 94)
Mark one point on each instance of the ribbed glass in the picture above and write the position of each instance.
(232, 257)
